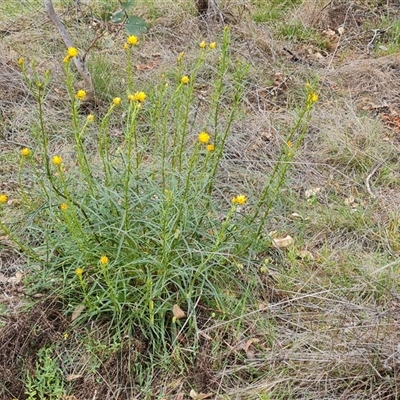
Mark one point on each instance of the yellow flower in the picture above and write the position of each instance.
(79, 272)
(312, 97)
(213, 45)
(203, 44)
(3, 198)
(180, 57)
(204, 137)
(57, 160)
(239, 199)
(289, 143)
(72, 52)
(20, 61)
(90, 118)
(210, 147)
(25, 152)
(140, 96)
(117, 101)
(126, 46)
(80, 95)
(104, 260)
(132, 40)
(64, 207)
(185, 79)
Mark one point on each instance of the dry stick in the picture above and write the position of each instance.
(370, 175)
(79, 63)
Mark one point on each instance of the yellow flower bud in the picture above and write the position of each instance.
(25, 152)
(203, 137)
(132, 40)
(185, 80)
(57, 160)
(80, 95)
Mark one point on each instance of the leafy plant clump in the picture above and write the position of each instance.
(137, 229)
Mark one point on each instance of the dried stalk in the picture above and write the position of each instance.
(79, 63)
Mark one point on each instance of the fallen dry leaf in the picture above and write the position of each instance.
(178, 312)
(311, 192)
(249, 352)
(77, 312)
(306, 254)
(199, 396)
(280, 242)
(18, 277)
(296, 215)
(349, 201)
(72, 377)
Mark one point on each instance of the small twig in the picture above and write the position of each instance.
(392, 264)
(376, 33)
(370, 175)
(326, 5)
(94, 41)
(371, 42)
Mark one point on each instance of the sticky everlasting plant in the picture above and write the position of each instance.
(134, 229)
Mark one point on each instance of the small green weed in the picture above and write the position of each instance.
(47, 381)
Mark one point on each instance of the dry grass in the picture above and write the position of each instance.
(327, 326)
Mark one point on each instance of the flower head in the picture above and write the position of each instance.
(312, 97)
(140, 96)
(64, 207)
(185, 79)
(126, 46)
(117, 101)
(210, 147)
(21, 61)
(180, 57)
(203, 44)
(203, 137)
(90, 118)
(80, 95)
(72, 52)
(213, 45)
(57, 160)
(289, 143)
(132, 40)
(3, 198)
(239, 199)
(79, 272)
(104, 260)
(25, 152)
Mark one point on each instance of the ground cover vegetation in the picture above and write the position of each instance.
(219, 219)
